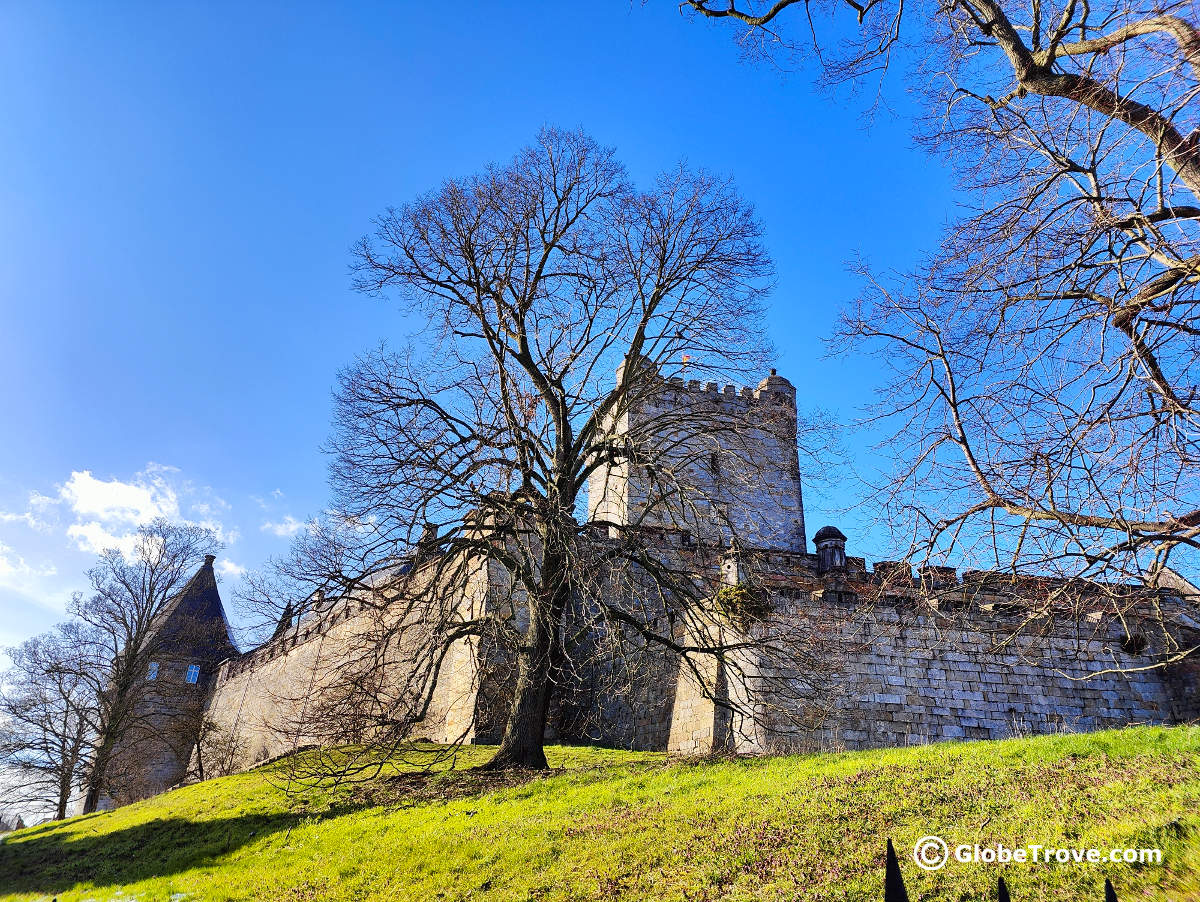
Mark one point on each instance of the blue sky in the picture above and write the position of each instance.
(180, 185)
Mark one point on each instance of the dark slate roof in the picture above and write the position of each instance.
(828, 532)
(193, 623)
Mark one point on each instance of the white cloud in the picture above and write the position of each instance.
(268, 503)
(148, 496)
(94, 538)
(85, 514)
(108, 512)
(225, 535)
(288, 526)
(17, 575)
(36, 517)
(211, 506)
(227, 567)
(27, 518)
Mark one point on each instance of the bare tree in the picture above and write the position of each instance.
(1043, 405)
(461, 463)
(46, 721)
(218, 751)
(129, 594)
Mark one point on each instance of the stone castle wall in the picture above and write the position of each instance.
(862, 671)
(861, 674)
(820, 653)
(259, 698)
(262, 700)
(915, 680)
(900, 676)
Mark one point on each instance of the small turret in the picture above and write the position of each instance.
(775, 385)
(831, 549)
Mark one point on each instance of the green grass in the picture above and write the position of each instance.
(630, 825)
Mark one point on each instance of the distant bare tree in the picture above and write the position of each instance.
(460, 462)
(46, 708)
(128, 593)
(1043, 405)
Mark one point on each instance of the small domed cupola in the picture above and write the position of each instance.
(775, 384)
(831, 549)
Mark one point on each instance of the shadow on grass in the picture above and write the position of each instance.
(56, 857)
(53, 861)
(408, 790)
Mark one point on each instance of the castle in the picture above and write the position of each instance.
(898, 657)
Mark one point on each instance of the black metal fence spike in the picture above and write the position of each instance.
(894, 891)
(893, 881)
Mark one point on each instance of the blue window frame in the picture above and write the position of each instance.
(193, 673)
(152, 671)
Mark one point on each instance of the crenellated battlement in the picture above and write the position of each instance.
(772, 388)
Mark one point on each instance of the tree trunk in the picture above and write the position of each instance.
(64, 798)
(96, 777)
(525, 731)
(200, 756)
(92, 798)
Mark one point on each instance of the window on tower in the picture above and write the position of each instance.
(152, 671)
(193, 673)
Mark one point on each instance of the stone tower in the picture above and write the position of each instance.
(189, 640)
(732, 458)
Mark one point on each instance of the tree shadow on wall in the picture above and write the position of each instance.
(52, 861)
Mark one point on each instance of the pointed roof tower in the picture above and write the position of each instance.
(193, 623)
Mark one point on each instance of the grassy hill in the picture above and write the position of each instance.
(608, 825)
